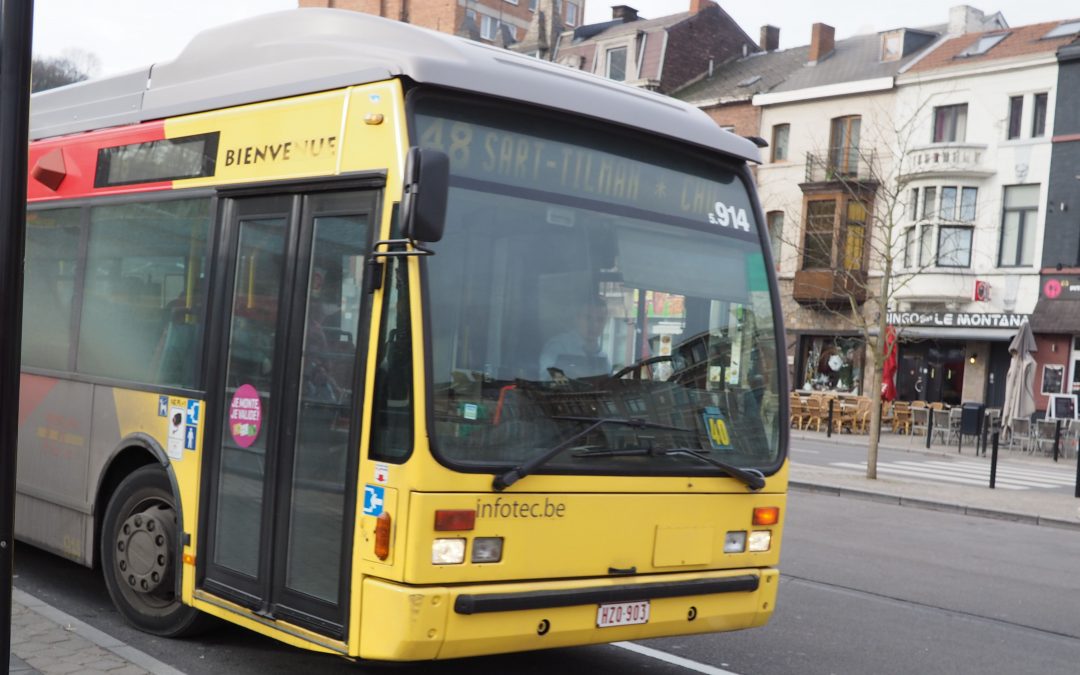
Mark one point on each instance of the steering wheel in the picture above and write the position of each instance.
(638, 365)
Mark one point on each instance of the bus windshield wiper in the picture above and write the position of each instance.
(515, 474)
(751, 478)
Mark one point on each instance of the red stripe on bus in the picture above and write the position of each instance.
(79, 154)
(33, 390)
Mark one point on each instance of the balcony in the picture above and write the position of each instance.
(944, 160)
(854, 165)
(830, 288)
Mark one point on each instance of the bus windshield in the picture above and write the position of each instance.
(596, 290)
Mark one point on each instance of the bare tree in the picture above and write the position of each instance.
(863, 261)
(49, 72)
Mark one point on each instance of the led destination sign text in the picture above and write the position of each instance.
(513, 158)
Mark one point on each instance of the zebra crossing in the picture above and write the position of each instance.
(1009, 477)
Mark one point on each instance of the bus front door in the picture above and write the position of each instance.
(286, 399)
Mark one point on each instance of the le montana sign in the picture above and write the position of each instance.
(956, 319)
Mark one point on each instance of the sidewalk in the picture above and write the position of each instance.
(46, 640)
(1039, 507)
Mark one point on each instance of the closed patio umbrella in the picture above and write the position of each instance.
(1020, 381)
(888, 370)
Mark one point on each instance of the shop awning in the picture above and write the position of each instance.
(953, 333)
(1060, 317)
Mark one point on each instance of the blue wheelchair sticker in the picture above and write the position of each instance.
(374, 497)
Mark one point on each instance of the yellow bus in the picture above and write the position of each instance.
(392, 345)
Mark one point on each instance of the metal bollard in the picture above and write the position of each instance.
(993, 461)
(929, 427)
(1057, 438)
(828, 427)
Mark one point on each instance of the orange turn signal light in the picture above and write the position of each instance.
(766, 515)
(382, 536)
(455, 520)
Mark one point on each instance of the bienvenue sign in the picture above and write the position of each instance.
(957, 319)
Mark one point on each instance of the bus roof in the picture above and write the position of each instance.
(307, 50)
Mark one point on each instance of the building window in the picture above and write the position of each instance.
(910, 240)
(913, 207)
(950, 123)
(842, 220)
(968, 198)
(854, 236)
(775, 220)
(926, 245)
(983, 45)
(1038, 116)
(780, 142)
(844, 146)
(571, 14)
(820, 220)
(512, 2)
(832, 363)
(954, 245)
(892, 45)
(947, 210)
(616, 64)
(532, 5)
(1016, 111)
(1018, 225)
(929, 201)
(489, 27)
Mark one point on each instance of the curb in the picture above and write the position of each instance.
(931, 505)
(88, 632)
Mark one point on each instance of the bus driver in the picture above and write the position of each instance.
(576, 353)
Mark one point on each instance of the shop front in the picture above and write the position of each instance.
(830, 363)
(953, 357)
(1056, 325)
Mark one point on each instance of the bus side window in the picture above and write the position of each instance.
(391, 437)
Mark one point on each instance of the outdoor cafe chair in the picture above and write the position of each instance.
(798, 411)
(942, 427)
(1045, 431)
(920, 422)
(901, 418)
(1020, 434)
(813, 413)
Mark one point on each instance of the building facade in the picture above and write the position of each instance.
(1056, 317)
(977, 180)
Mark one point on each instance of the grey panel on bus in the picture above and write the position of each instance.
(307, 50)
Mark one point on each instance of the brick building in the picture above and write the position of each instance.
(661, 54)
(500, 22)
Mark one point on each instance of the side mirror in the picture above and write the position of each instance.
(423, 203)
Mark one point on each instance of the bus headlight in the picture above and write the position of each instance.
(735, 541)
(760, 540)
(448, 552)
(487, 549)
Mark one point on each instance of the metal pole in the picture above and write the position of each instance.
(1057, 438)
(929, 426)
(828, 425)
(1076, 490)
(993, 461)
(16, 29)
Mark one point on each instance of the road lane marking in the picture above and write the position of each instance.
(672, 659)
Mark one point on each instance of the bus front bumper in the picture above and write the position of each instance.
(407, 623)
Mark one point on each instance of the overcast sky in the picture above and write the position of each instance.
(126, 34)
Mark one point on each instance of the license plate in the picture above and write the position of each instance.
(622, 614)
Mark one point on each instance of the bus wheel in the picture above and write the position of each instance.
(138, 556)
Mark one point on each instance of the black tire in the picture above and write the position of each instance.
(138, 556)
